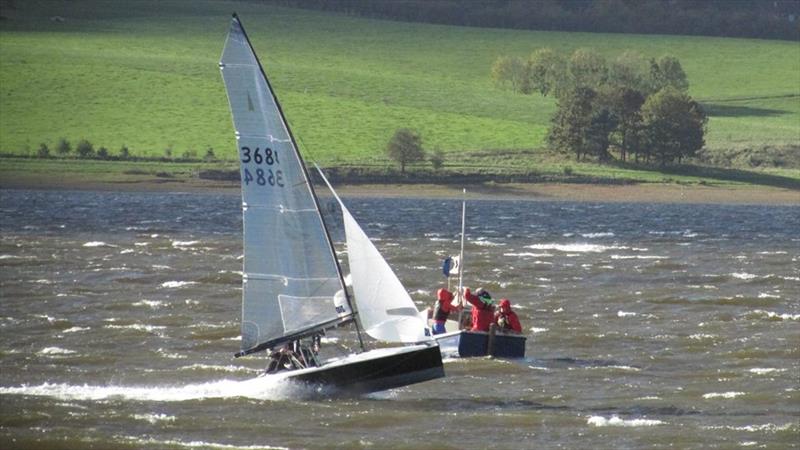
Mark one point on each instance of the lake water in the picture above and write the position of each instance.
(649, 325)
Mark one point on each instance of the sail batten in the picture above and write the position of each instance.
(292, 284)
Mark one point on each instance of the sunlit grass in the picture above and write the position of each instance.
(144, 74)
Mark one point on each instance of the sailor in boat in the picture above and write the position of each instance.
(294, 355)
(442, 309)
(506, 319)
(482, 309)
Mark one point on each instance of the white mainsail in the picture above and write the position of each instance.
(385, 309)
(292, 283)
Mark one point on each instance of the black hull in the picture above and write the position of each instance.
(367, 373)
(466, 344)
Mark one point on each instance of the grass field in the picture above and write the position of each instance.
(144, 74)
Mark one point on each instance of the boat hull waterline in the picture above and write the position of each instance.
(373, 371)
(466, 344)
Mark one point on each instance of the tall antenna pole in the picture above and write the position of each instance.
(461, 256)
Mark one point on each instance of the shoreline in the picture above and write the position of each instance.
(628, 193)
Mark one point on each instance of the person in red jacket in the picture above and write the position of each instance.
(506, 319)
(482, 309)
(442, 309)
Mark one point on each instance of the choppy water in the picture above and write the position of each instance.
(648, 325)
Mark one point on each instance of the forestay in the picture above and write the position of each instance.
(385, 309)
(291, 276)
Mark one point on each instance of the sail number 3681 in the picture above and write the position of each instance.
(259, 176)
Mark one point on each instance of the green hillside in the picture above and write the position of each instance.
(145, 74)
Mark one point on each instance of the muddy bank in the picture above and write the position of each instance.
(640, 192)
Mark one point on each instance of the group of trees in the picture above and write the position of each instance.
(629, 106)
(766, 19)
(84, 149)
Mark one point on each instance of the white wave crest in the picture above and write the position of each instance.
(136, 326)
(626, 314)
(272, 387)
(701, 336)
(774, 315)
(743, 275)
(597, 235)
(731, 394)
(638, 257)
(97, 244)
(529, 255)
(484, 243)
(771, 427)
(576, 248)
(184, 243)
(217, 368)
(153, 304)
(153, 418)
(75, 329)
(139, 442)
(616, 421)
(56, 351)
(14, 257)
(765, 370)
(177, 284)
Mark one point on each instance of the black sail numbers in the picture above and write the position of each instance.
(261, 167)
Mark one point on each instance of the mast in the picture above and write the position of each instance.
(461, 255)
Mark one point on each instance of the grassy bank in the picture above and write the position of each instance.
(144, 74)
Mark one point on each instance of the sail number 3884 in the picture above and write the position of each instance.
(260, 176)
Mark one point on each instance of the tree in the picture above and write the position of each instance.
(43, 151)
(405, 147)
(63, 147)
(437, 159)
(102, 153)
(597, 136)
(513, 72)
(210, 156)
(667, 72)
(630, 70)
(587, 68)
(673, 125)
(572, 121)
(546, 71)
(624, 104)
(85, 149)
(124, 153)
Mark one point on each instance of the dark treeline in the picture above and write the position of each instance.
(764, 19)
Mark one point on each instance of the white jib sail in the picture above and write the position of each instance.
(385, 309)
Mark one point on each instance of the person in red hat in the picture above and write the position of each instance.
(482, 309)
(442, 309)
(506, 319)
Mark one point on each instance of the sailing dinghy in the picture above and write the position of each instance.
(293, 287)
